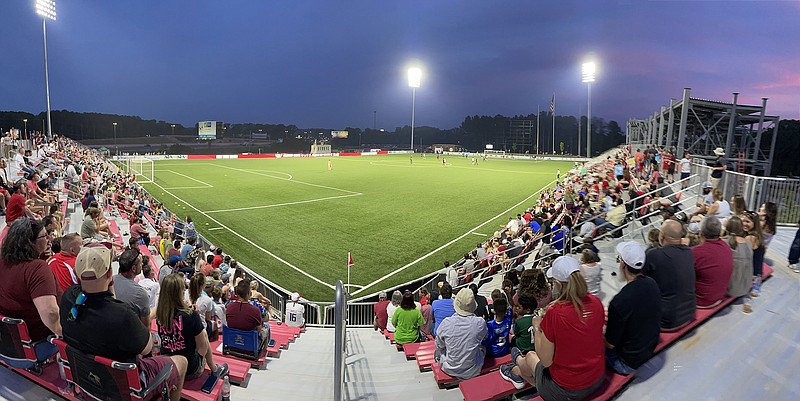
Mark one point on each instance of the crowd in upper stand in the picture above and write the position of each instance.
(701, 249)
(61, 282)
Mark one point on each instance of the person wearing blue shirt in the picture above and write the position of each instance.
(496, 341)
(442, 308)
(535, 226)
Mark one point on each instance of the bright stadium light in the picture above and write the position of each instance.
(47, 10)
(414, 78)
(589, 69)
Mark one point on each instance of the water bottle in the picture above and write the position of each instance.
(156, 344)
(226, 390)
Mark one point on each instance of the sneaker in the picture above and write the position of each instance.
(747, 308)
(507, 372)
(222, 370)
(515, 353)
(756, 290)
(794, 267)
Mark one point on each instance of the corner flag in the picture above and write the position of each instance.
(349, 260)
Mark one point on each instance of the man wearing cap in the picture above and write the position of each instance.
(379, 311)
(713, 264)
(717, 167)
(295, 312)
(127, 290)
(176, 264)
(458, 339)
(672, 268)
(97, 324)
(634, 314)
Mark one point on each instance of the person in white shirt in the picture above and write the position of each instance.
(295, 312)
(150, 284)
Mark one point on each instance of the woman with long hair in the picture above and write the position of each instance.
(720, 208)
(591, 270)
(202, 302)
(768, 214)
(391, 308)
(408, 321)
(752, 227)
(533, 283)
(738, 205)
(742, 277)
(182, 331)
(569, 361)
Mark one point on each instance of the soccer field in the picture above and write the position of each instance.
(293, 221)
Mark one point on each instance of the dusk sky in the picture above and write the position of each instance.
(332, 63)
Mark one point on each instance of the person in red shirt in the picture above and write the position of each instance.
(569, 361)
(63, 263)
(16, 205)
(242, 315)
(138, 232)
(713, 264)
(217, 258)
(381, 317)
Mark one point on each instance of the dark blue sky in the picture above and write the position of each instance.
(331, 63)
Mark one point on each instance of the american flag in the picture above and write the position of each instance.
(553, 104)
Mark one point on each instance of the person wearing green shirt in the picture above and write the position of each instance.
(407, 321)
(521, 330)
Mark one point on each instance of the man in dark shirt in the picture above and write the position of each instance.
(672, 267)
(123, 337)
(482, 310)
(634, 314)
(242, 315)
(381, 316)
(717, 167)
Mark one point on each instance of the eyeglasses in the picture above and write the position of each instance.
(79, 301)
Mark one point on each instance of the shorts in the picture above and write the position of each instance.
(549, 390)
(670, 171)
(149, 368)
(684, 176)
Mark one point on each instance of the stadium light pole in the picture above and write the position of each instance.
(173, 129)
(25, 132)
(414, 77)
(116, 148)
(589, 69)
(47, 10)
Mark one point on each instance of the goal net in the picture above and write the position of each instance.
(142, 168)
(492, 152)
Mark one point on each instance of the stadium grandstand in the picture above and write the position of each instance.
(682, 260)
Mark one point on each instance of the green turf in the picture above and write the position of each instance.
(385, 211)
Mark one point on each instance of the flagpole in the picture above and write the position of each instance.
(578, 151)
(538, 149)
(348, 272)
(554, 123)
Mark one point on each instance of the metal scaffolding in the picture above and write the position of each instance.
(745, 132)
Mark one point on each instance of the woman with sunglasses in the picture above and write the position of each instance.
(752, 228)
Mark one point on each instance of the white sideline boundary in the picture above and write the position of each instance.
(247, 240)
(282, 204)
(206, 185)
(423, 257)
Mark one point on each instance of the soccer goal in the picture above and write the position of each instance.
(143, 168)
(494, 153)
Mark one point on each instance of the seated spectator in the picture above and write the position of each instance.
(206, 266)
(127, 290)
(408, 321)
(63, 263)
(379, 312)
(442, 308)
(182, 331)
(259, 300)
(569, 362)
(219, 307)
(459, 337)
(174, 250)
(533, 283)
(242, 315)
(720, 208)
(591, 270)
(295, 311)
(217, 258)
(397, 297)
(521, 335)
(91, 306)
(742, 274)
(138, 232)
(427, 314)
(28, 290)
(225, 265)
(713, 264)
(17, 204)
(498, 329)
(89, 228)
(482, 310)
(634, 314)
(424, 296)
(672, 267)
(202, 302)
(150, 284)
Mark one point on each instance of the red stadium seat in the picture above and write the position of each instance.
(489, 364)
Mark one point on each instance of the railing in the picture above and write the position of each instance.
(339, 349)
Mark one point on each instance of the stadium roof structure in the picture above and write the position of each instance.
(745, 132)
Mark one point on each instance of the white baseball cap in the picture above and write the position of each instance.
(295, 296)
(632, 254)
(562, 267)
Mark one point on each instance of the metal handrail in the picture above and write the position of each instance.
(339, 351)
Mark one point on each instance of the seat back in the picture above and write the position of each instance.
(244, 342)
(102, 378)
(16, 347)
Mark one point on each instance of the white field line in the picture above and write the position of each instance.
(216, 228)
(482, 235)
(245, 239)
(188, 187)
(206, 185)
(281, 204)
(449, 165)
(290, 180)
(423, 257)
(269, 171)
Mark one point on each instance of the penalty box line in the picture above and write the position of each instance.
(423, 257)
(247, 240)
(282, 204)
(289, 180)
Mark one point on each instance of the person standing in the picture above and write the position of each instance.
(634, 314)
(717, 167)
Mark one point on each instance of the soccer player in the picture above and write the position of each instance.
(330, 165)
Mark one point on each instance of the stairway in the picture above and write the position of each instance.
(374, 371)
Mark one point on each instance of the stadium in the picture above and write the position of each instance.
(536, 256)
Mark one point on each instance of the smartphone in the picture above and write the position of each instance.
(271, 343)
(209, 384)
